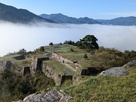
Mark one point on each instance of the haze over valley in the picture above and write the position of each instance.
(18, 36)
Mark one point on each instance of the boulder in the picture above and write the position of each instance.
(130, 64)
(18, 101)
(51, 96)
(34, 98)
(115, 72)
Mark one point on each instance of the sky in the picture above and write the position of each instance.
(97, 9)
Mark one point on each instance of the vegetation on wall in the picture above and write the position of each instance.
(14, 87)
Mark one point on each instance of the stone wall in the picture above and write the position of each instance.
(36, 64)
(49, 72)
(33, 65)
(5, 65)
(65, 60)
(60, 58)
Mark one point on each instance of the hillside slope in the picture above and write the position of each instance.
(126, 21)
(12, 14)
(64, 66)
(60, 18)
(104, 89)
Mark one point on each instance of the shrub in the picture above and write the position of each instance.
(13, 87)
(85, 56)
(71, 49)
(51, 44)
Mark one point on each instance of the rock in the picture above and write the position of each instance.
(51, 96)
(130, 64)
(34, 98)
(64, 96)
(116, 72)
(48, 54)
(18, 101)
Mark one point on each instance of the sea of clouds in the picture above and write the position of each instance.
(17, 36)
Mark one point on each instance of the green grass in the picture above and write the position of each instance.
(55, 65)
(10, 57)
(105, 89)
(104, 57)
(89, 88)
(75, 55)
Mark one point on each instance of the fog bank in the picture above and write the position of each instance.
(15, 36)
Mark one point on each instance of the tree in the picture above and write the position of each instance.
(51, 44)
(69, 42)
(22, 51)
(89, 42)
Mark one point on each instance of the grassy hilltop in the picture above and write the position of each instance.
(90, 88)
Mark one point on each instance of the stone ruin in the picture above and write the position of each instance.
(36, 64)
(26, 70)
(5, 65)
(91, 71)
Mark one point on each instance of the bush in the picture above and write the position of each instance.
(70, 42)
(107, 58)
(71, 49)
(85, 56)
(22, 51)
(13, 87)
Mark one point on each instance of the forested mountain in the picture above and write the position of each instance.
(60, 18)
(12, 14)
(127, 21)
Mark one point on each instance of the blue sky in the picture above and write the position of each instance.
(97, 9)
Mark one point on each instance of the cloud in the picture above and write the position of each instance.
(15, 36)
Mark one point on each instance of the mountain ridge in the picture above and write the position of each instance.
(12, 14)
(61, 18)
(127, 21)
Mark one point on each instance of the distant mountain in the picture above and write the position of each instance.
(12, 14)
(127, 21)
(60, 18)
